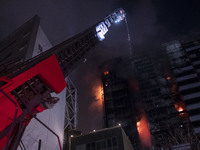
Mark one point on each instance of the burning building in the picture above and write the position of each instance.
(159, 116)
(184, 58)
(119, 98)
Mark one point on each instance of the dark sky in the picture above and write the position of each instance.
(151, 23)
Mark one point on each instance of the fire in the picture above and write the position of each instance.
(97, 93)
(144, 132)
(180, 109)
(138, 127)
(106, 72)
(168, 78)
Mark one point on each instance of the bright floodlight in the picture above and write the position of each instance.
(115, 17)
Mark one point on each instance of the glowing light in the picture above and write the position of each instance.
(97, 94)
(106, 72)
(101, 30)
(72, 136)
(180, 109)
(168, 78)
(119, 124)
(144, 132)
(94, 130)
(138, 127)
(106, 84)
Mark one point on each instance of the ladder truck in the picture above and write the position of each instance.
(25, 88)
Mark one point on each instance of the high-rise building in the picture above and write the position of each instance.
(166, 116)
(105, 139)
(118, 97)
(185, 62)
(19, 45)
(158, 105)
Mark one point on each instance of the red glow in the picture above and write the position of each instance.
(97, 93)
(180, 109)
(106, 84)
(144, 132)
(168, 78)
(106, 72)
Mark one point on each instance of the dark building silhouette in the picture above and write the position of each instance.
(118, 97)
(105, 139)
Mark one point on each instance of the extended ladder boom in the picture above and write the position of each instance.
(29, 84)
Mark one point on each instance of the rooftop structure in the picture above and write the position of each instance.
(106, 139)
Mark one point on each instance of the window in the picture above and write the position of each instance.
(103, 144)
(80, 147)
(114, 141)
(88, 147)
(98, 144)
(109, 142)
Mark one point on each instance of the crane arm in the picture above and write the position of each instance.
(30, 83)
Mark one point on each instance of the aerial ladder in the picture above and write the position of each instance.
(25, 87)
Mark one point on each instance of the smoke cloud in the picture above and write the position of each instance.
(150, 23)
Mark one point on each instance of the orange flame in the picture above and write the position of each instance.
(168, 78)
(144, 132)
(180, 109)
(106, 72)
(97, 92)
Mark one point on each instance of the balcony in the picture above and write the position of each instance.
(195, 118)
(196, 62)
(187, 77)
(189, 86)
(192, 48)
(193, 106)
(191, 96)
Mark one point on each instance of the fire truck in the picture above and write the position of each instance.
(25, 87)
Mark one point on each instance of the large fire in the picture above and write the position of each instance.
(144, 132)
(97, 92)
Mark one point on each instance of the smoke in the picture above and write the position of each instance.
(150, 23)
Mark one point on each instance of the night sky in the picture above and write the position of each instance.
(151, 23)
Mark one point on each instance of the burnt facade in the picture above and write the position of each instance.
(185, 63)
(157, 103)
(118, 97)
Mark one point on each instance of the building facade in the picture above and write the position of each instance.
(166, 115)
(19, 45)
(105, 139)
(118, 97)
(185, 62)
